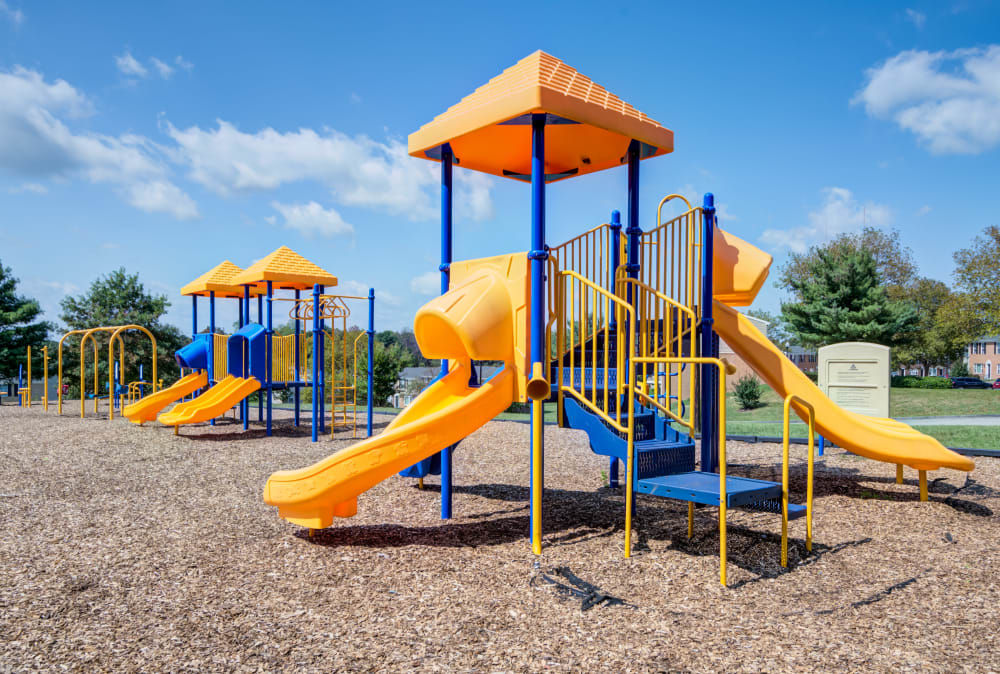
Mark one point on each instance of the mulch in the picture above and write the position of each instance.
(126, 548)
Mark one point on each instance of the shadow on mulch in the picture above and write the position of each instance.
(284, 428)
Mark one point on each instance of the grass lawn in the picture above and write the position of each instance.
(978, 437)
(903, 402)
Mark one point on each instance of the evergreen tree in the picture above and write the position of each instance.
(841, 299)
(121, 299)
(19, 327)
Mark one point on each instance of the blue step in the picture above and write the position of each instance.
(607, 441)
(702, 487)
(795, 510)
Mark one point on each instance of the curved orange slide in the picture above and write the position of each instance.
(480, 318)
(740, 269)
(146, 409)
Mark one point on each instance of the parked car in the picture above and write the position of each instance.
(996, 384)
(968, 382)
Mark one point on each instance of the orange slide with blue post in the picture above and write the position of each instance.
(482, 317)
(147, 408)
(740, 270)
(212, 403)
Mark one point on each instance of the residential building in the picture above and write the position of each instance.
(413, 380)
(804, 359)
(983, 358)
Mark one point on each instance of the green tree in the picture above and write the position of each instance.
(19, 325)
(978, 275)
(893, 261)
(389, 362)
(943, 326)
(121, 299)
(777, 332)
(841, 299)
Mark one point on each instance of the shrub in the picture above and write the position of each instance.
(909, 381)
(748, 391)
(960, 369)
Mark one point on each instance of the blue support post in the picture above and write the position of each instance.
(260, 391)
(20, 385)
(537, 256)
(445, 267)
(245, 404)
(298, 363)
(194, 327)
(211, 342)
(322, 366)
(317, 357)
(141, 389)
(371, 357)
(268, 374)
(822, 445)
(616, 255)
(709, 452)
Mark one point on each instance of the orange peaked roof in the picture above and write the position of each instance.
(219, 280)
(587, 128)
(286, 269)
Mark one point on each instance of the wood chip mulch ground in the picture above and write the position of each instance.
(126, 548)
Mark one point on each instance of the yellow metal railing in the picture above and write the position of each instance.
(134, 392)
(810, 412)
(220, 356)
(670, 255)
(666, 328)
(721, 402)
(587, 311)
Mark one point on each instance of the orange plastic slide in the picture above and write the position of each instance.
(148, 407)
(214, 402)
(740, 270)
(480, 318)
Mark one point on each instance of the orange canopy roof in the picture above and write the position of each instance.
(286, 269)
(587, 128)
(219, 280)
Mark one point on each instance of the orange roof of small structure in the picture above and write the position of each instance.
(587, 129)
(219, 280)
(286, 270)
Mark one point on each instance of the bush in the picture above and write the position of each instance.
(960, 369)
(748, 391)
(909, 381)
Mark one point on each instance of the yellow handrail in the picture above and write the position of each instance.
(220, 356)
(671, 255)
(721, 401)
(811, 419)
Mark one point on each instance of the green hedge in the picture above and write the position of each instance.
(910, 381)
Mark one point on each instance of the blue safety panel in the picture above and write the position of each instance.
(773, 505)
(254, 337)
(571, 377)
(701, 487)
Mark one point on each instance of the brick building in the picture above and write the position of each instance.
(983, 358)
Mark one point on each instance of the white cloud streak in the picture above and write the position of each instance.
(428, 283)
(918, 19)
(840, 213)
(312, 220)
(128, 65)
(16, 16)
(949, 100)
(164, 69)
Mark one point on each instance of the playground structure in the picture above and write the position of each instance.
(636, 317)
(117, 388)
(24, 393)
(224, 370)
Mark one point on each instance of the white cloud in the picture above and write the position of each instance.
(840, 214)
(182, 64)
(127, 65)
(35, 188)
(918, 19)
(16, 16)
(427, 284)
(924, 210)
(360, 289)
(355, 97)
(949, 100)
(164, 69)
(36, 143)
(312, 219)
(357, 170)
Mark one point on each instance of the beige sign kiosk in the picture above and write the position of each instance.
(855, 375)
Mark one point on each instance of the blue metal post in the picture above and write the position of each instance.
(317, 357)
(194, 326)
(140, 379)
(709, 456)
(371, 357)
(245, 404)
(268, 374)
(822, 445)
(260, 391)
(616, 255)
(20, 384)
(211, 342)
(298, 364)
(537, 257)
(445, 268)
(322, 366)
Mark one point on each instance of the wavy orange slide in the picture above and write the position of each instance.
(480, 318)
(146, 409)
(740, 269)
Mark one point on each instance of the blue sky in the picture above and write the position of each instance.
(166, 137)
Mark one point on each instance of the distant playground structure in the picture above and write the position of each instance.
(224, 370)
(619, 328)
